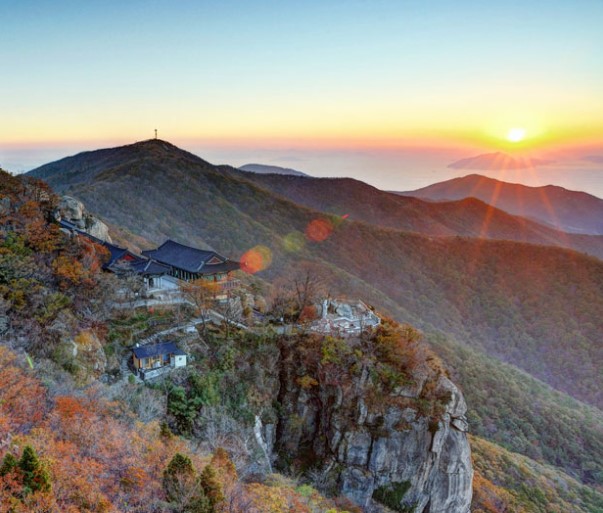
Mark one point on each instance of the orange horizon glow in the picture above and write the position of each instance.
(252, 80)
(439, 140)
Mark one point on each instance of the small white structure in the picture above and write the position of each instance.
(179, 360)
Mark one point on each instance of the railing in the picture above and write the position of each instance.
(229, 284)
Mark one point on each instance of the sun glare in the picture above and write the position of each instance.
(516, 135)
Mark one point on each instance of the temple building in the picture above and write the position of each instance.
(162, 268)
(190, 264)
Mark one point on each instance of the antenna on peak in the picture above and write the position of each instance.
(155, 133)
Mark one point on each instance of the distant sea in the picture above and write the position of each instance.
(388, 169)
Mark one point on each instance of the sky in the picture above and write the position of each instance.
(390, 92)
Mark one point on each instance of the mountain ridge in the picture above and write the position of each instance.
(468, 217)
(334, 195)
(561, 208)
(87, 165)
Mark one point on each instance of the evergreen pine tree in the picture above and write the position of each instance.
(179, 472)
(165, 432)
(182, 487)
(9, 463)
(211, 486)
(35, 476)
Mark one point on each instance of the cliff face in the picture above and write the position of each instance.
(403, 448)
(75, 212)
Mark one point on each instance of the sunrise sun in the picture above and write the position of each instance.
(516, 135)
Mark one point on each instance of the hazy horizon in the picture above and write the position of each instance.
(399, 169)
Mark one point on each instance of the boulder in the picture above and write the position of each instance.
(344, 310)
(74, 211)
(98, 229)
(460, 423)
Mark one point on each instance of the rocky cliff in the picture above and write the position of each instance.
(376, 420)
(75, 212)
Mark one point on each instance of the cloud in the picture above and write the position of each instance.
(498, 162)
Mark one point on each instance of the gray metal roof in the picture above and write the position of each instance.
(150, 267)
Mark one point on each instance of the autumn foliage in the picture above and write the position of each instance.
(85, 454)
(51, 284)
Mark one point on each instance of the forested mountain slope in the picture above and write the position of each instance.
(509, 483)
(66, 446)
(538, 307)
(419, 279)
(525, 415)
(467, 217)
(340, 196)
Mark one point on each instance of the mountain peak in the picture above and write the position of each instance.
(153, 147)
(85, 166)
(154, 143)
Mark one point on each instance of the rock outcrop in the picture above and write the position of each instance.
(4, 206)
(406, 449)
(74, 211)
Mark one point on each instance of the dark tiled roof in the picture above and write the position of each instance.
(189, 259)
(121, 259)
(156, 350)
(149, 267)
(139, 265)
(67, 225)
(115, 251)
(223, 267)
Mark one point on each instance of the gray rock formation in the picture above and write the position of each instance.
(4, 206)
(75, 212)
(72, 210)
(98, 229)
(371, 447)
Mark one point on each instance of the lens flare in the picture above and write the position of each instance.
(319, 229)
(256, 259)
(336, 220)
(294, 242)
